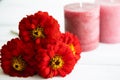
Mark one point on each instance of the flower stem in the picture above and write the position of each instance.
(14, 33)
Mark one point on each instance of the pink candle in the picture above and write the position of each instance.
(83, 22)
(109, 21)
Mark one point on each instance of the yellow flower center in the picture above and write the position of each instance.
(38, 33)
(56, 62)
(18, 64)
(72, 48)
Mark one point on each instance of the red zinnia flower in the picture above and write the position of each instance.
(56, 60)
(73, 43)
(39, 27)
(17, 58)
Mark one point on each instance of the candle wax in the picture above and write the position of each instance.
(83, 22)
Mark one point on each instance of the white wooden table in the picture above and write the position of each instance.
(102, 63)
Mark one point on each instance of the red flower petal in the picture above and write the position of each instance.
(13, 57)
(42, 20)
(60, 62)
(73, 43)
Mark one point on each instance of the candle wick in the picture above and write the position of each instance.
(112, 1)
(81, 4)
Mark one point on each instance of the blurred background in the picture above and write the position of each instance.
(12, 11)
